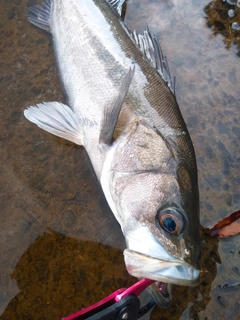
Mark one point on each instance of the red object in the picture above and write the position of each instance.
(226, 227)
(114, 297)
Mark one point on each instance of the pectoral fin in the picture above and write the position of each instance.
(56, 118)
(111, 114)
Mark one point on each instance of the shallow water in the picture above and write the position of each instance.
(61, 248)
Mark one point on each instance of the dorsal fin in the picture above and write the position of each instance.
(150, 47)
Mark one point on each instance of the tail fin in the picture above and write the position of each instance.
(40, 15)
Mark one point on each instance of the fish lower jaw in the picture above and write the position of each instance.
(170, 271)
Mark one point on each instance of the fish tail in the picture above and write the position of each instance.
(40, 15)
(117, 5)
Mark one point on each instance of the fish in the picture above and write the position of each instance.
(121, 107)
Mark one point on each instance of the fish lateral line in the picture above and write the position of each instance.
(147, 43)
(40, 15)
(94, 122)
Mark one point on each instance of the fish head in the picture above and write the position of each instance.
(151, 192)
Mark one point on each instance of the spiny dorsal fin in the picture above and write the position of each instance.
(117, 5)
(150, 47)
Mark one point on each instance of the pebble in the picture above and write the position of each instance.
(231, 13)
(235, 26)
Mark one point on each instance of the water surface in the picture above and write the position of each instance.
(61, 247)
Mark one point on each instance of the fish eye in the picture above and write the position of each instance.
(172, 220)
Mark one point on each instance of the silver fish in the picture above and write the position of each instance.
(122, 109)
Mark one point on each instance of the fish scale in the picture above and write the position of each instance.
(122, 109)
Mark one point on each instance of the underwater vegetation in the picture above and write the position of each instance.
(223, 16)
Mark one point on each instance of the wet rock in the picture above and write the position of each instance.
(221, 301)
(225, 186)
(236, 131)
(232, 75)
(208, 206)
(229, 199)
(234, 311)
(192, 121)
(69, 218)
(15, 116)
(11, 14)
(223, 149)
(230, 283)
(226, 167)
(236, 269)
(222, 127)
(214, 181)
(236, 198)
(210, 152)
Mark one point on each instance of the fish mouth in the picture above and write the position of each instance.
(167, 271)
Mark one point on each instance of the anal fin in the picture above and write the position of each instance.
(56, 118)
